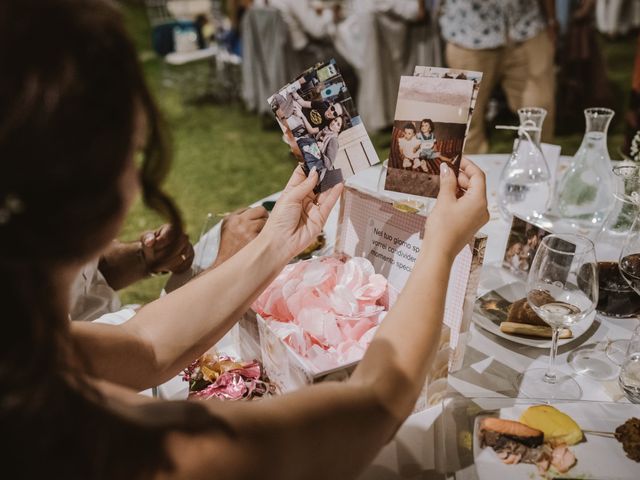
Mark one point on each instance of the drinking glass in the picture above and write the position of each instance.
(630, 372)
(202, 245)
(562, 289)
(629, 265)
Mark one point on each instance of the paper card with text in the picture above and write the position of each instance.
(371, 227)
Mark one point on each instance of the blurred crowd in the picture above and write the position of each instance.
(528, 50)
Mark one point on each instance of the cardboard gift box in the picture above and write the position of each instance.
(371, 226)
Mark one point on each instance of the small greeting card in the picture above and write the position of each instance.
(321, 124)
(430, 127)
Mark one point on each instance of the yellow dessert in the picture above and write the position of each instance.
(559, 428)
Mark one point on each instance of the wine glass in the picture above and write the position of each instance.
(629, 265)
(562, 289)
(628, 193)
(629, 378)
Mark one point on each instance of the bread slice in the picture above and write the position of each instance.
(532, 330)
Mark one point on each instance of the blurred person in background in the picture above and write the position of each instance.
(579, 57)
(632, 118)
(165, 250)
(352, 39)
(513, 43)
(615, 18)
(312, 29)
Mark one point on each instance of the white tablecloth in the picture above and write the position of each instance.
(491, 363)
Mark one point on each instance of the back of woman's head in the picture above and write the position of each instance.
(70, 92)
(72, 96)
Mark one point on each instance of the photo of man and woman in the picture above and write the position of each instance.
(429, 129)
(523, 242)
(319, 120)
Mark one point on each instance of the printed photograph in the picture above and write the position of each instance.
(523, 242)
(321, 124)
(429, 128)
(493, 306)
(451, 73)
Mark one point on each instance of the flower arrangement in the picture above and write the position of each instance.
(221, 377)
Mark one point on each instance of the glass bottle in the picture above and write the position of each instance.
(584, 191)
(616, 298)
(525, 181)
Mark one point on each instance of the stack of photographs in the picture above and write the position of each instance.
(432, 119)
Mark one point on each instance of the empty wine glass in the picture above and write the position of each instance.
(562, 289)
(629, 378)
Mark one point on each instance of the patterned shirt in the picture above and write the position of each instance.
(484, 24)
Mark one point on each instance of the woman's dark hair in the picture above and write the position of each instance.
(430, 122)
(409, 126)
(71, 94)
(343, 124)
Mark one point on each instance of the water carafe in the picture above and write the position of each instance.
(525, 182)
(584, 191)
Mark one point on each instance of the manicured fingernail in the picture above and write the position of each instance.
(313, 169)
(444, 169)
(148, 239)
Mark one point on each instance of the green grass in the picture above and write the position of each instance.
(226, 158)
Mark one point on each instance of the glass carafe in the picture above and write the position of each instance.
(584, 191)
(525, 182)
(617, 299)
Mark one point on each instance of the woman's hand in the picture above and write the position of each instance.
(453, 221)
(299, 214)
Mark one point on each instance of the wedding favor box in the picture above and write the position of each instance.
(370, 225)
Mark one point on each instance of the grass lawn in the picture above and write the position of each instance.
(226, 158)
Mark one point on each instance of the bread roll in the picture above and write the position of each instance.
(532, 330)
(521, 312)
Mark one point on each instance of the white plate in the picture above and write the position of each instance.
(515, 291)
(598, 457)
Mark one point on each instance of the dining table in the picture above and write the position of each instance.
(491, 362)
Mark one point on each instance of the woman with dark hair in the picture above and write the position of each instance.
(321, 149)
(75, 111)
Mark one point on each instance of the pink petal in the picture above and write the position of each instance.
(342, 300)
(312, 320)
(315, 273)
(372, 290)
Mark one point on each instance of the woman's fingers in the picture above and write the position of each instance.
(448, 183)
(328, 199)
(297, 177)
(463, 180)
(476, 184)
(256, 213)
(302, 189)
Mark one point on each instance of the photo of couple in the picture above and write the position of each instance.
(313, 111)
(418, 148)
(524, 240)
